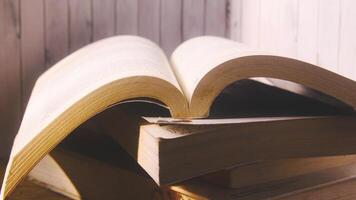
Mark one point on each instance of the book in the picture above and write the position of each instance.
(69, 174)
(79, 176)
(76, 170)
(332, 183)
(172, 153)
(261, 172)
(123, 68)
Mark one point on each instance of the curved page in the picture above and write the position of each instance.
(83, 84)
(214, 63)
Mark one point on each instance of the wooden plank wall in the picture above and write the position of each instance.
(322, 32)
(10, 70)
(35, 34)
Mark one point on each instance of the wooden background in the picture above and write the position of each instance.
(322, 32)
(35, 34)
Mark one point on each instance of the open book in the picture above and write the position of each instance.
(127, 67)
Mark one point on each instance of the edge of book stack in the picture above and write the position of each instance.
(182, 161)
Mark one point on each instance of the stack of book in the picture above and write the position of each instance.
(219, 120)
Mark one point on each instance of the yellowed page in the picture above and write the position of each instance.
(86, 70)
(83, 84)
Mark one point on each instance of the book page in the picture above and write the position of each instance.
(84, 71)
(84, 84)
(192, 60)
(204, 66)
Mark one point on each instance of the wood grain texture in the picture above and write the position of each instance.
(149, 19)
(322, 30)
(347, 46)
(193, 18)
(10, 67)
(56, 30)
(307, 49)
(328, 34)
(80, 23)
(103, 19)
(234, 19)
(279, 26)
(32, 45)
(215, 17)
(171, 25)
(250, 22)
(127, 17)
